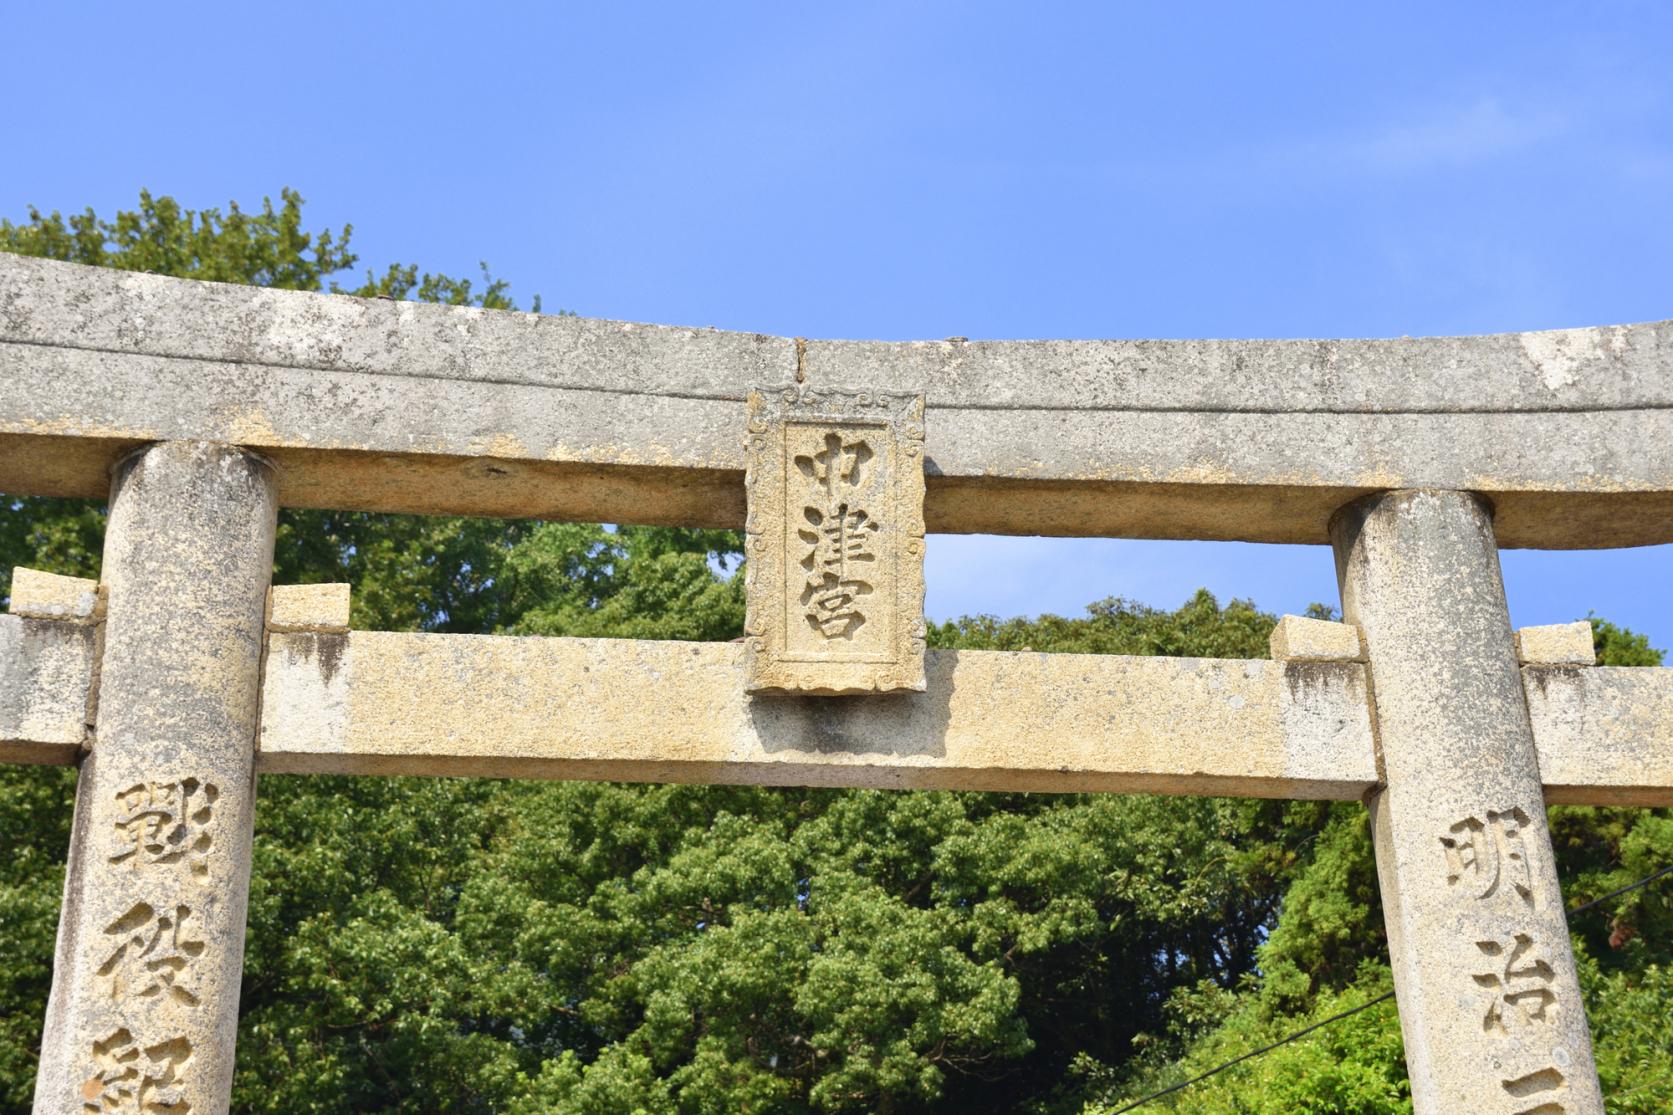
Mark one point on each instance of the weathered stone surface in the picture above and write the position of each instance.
(1556, 644)
(1605, 733)
(144, 1005)
(1300, 639)
(835, 539)
(1489, 1001)
(383, 703)
(1604, 736)
(46, 669)
(308, 608)
(399, 407)
(51, 596)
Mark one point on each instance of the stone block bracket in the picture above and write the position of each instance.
(308, 608)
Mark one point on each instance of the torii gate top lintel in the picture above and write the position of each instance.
(381, 405)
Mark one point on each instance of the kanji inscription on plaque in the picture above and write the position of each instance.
(836, 540)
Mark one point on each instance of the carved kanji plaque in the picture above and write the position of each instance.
(836, 540)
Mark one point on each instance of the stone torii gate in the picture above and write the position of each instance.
(201, 408)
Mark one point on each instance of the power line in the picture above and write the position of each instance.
(1383, 998)
(1644, 882)
(1367, 1005)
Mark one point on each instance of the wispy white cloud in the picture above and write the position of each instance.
(1647, 165)
(1459, 135)
(1429, 138)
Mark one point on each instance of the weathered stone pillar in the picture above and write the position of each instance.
(144, 1007)
(1489, 1004)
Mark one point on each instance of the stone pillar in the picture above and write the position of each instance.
(144, 1008)
(1489, 1003)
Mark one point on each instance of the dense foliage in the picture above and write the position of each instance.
(466, 946)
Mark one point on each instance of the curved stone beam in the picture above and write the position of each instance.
(395, 406)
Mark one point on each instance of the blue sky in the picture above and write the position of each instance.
(912, 170)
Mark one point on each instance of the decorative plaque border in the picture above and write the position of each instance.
(834, 580)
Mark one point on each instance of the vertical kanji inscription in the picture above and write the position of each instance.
(1518, 980)
(131, 1078)
(150, 951)
(1483, 854)
(162, 842)
(161, 822)
(836, 540)
(1539, 1092)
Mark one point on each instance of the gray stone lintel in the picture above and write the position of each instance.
(395, 406)
(1604, 735)
(638, 710)
(383, 703)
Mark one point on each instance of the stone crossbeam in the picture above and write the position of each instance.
(46, 674)
(1604, 734)
(629, 710)
(340, 702)
(394, 406)
(633, 710)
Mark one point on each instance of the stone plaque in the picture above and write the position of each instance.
(835, 577)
